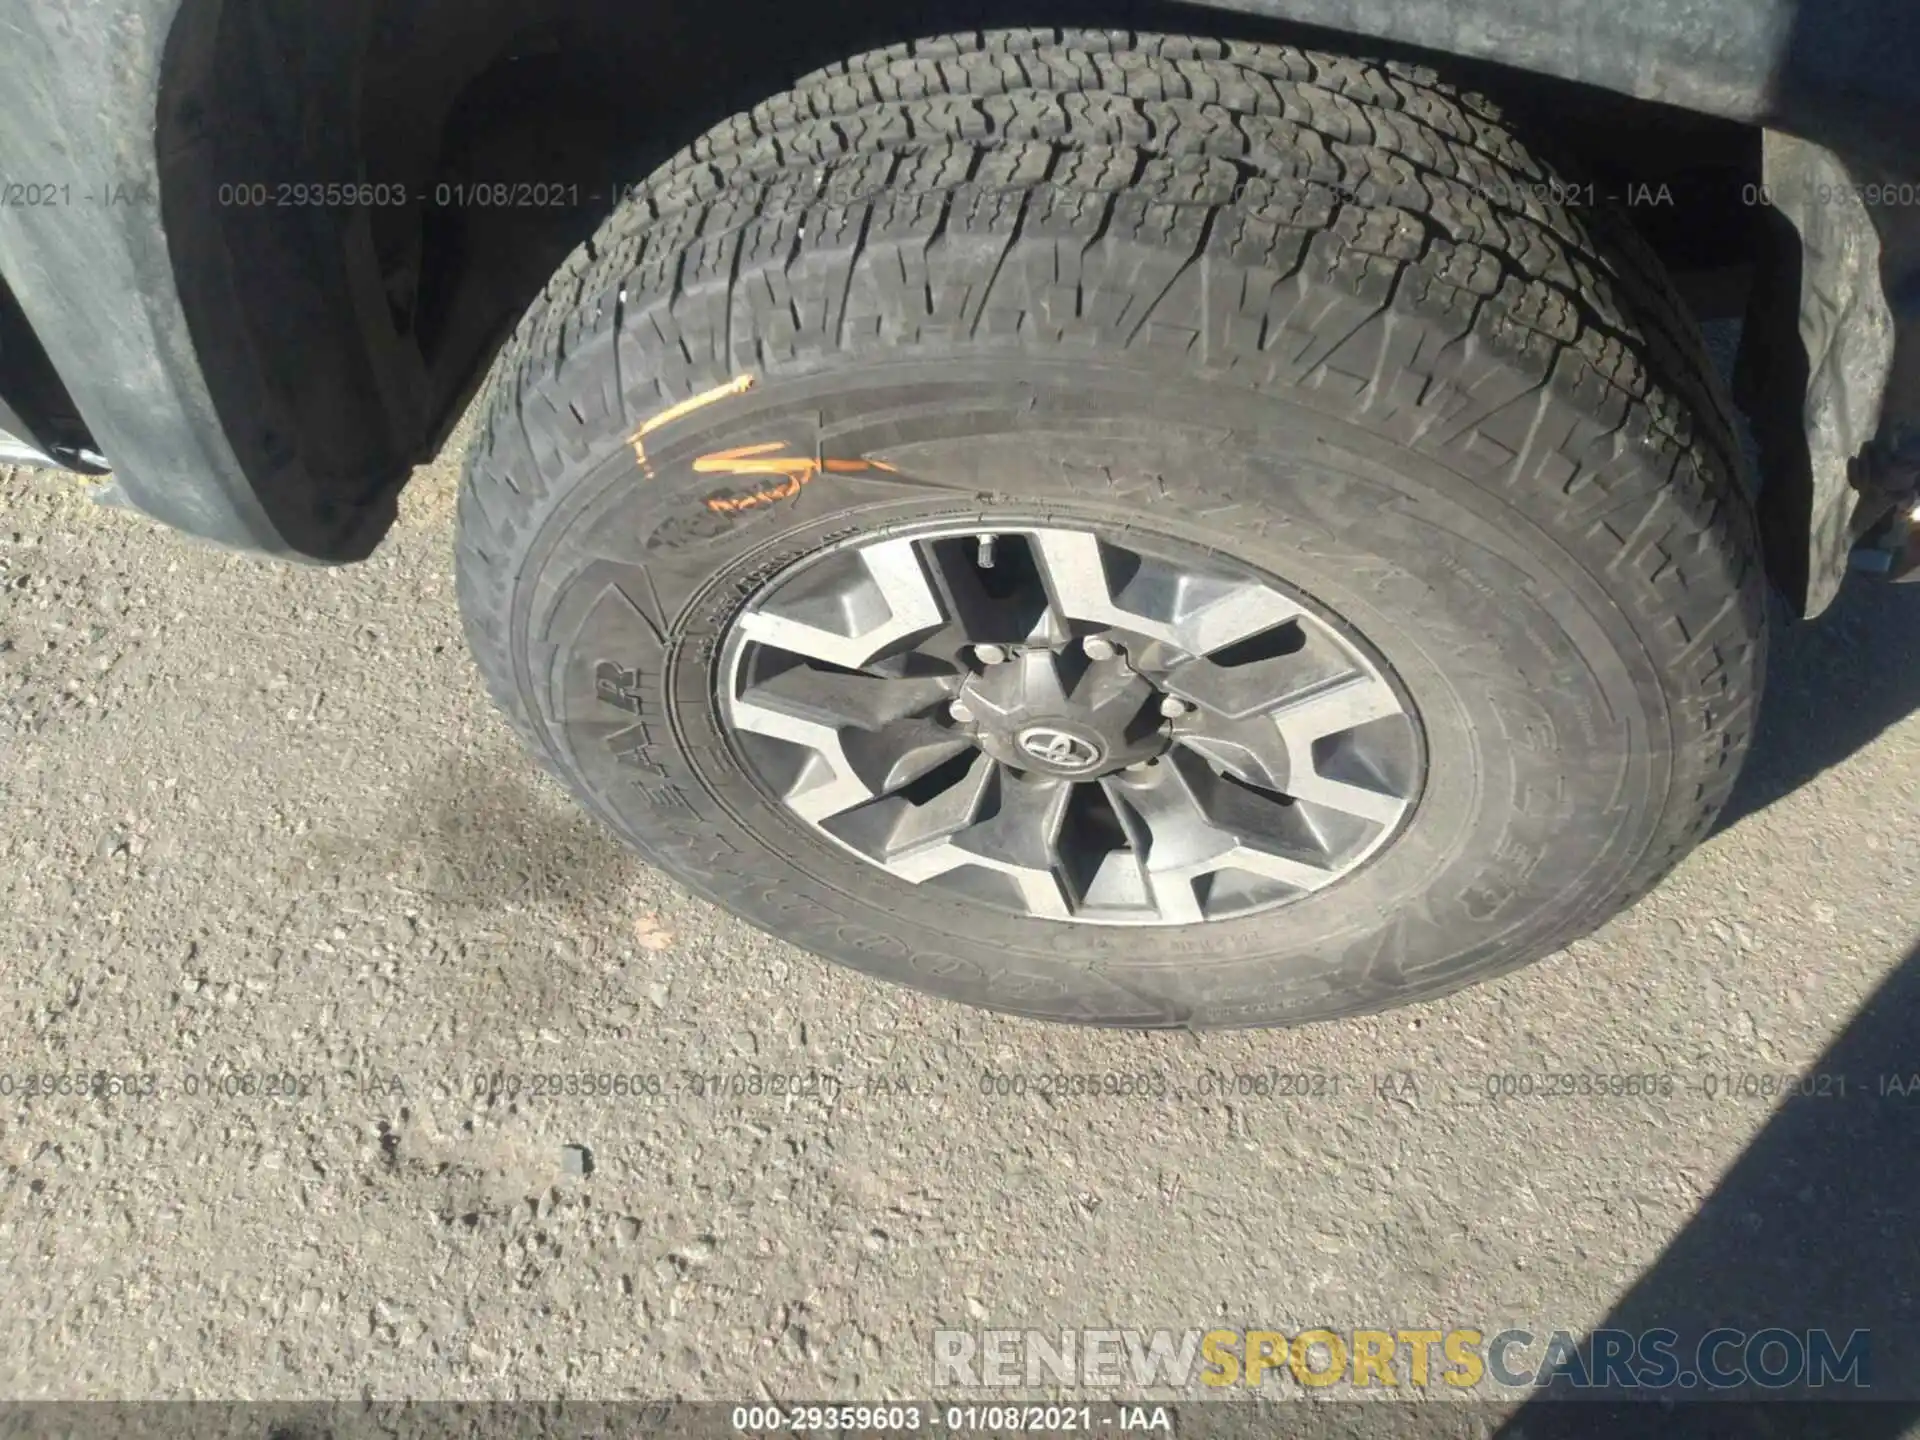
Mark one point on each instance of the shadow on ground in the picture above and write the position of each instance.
(1816, 1227)
(1833, 685)
(486, 834)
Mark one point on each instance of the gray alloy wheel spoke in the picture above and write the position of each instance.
(887, 760)
(874, 601)
(1165, 826)
(1252, 750)
(846, 697)
(1023, 829)
(1045, 721)
(912, 838)
(1274, 749)
(1185, 611)
(828, 783)
(1017, 838)
(1241, 613)
(1299, 661)
(1344, 707)
(1189, 836)
(1075, 574)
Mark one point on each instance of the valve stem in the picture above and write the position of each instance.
(986, 552)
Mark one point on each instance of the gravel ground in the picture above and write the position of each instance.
(260, 820)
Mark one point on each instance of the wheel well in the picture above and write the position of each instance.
(348, 337)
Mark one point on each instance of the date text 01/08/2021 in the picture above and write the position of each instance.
(911, 1417)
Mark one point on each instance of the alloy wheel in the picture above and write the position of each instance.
(1065, 725)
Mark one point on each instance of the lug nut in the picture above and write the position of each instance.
(961, 711)
(1173, 707)
(1098, 647)
(989, 654)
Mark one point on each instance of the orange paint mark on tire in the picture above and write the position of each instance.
(739, 385)
(763, 459)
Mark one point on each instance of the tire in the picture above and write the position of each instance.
(1324, 318)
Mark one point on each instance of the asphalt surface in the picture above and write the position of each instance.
(260, 821)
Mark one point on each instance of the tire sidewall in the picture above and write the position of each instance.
(1548, 747)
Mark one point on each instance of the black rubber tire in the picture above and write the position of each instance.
(1324, 314)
